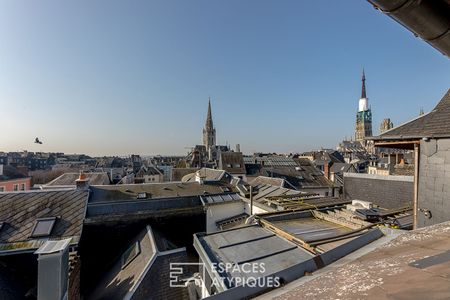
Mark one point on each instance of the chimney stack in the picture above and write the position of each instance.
(82, 183)
(53, 270)
(238, 148)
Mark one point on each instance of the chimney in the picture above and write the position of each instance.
(53, 270)
(82, 183)
(238, 148)
(326, 170)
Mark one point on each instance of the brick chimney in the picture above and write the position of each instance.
(326, 170)
(82, 183)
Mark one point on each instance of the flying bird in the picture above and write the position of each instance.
(37, 141)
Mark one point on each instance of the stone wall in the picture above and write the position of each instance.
(434, 182)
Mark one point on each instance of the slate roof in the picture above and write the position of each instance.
(148, 171)
(341, 167)
(141, 278)
(19, 212)
(68, 179)
(123, 192)
(267, 190)
(280, 182)
(232, 162)
(302, 174)
(433, 124)
(207, 174)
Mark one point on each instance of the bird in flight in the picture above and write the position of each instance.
(37, 141)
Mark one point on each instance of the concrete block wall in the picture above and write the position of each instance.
(434, 182)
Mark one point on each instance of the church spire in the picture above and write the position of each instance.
(363, 90)
(209, 132)
(209, 121)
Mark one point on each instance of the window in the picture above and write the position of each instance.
(2, 188)
(22, 186)
(16, 187)
(43, 227)
(130, 254)
(237, 165)
(142, 195)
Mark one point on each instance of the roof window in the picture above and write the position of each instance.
(43, 227)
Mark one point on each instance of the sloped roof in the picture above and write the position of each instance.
(340, 167)
(433, 124)
(68, 179)
(124, 192)
(136, 280)
(232, 162)
(19, 212)
(207, 174)
(268, 181)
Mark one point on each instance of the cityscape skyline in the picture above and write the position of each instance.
(121, 79)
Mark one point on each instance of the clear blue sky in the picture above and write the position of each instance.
(122, 77)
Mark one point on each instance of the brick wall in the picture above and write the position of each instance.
(434, 182)
(385, 191)
(74, 277)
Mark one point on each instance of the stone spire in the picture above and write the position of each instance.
(363, 89)
(209, 121)
(209, 132)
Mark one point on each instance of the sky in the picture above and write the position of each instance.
(123, 77)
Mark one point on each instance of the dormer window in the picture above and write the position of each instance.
(43, 227)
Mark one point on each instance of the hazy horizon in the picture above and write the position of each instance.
(121, 78)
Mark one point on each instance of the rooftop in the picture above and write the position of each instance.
(415, 265)
(433, 124)
(123, 192)
(69, 179)
(30, 218)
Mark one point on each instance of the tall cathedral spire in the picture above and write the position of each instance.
(363, 90)
(209, 121)
(209, 132)
(364, 114)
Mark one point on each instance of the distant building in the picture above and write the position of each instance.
(149, 175)
(364, 115)
(233, 163)
(209, 132)
(386, 124)
(11, 180)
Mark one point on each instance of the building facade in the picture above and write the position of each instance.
(386, 124)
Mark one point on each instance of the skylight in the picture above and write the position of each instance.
(142, 195)
(130, 254)
(43, 227)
